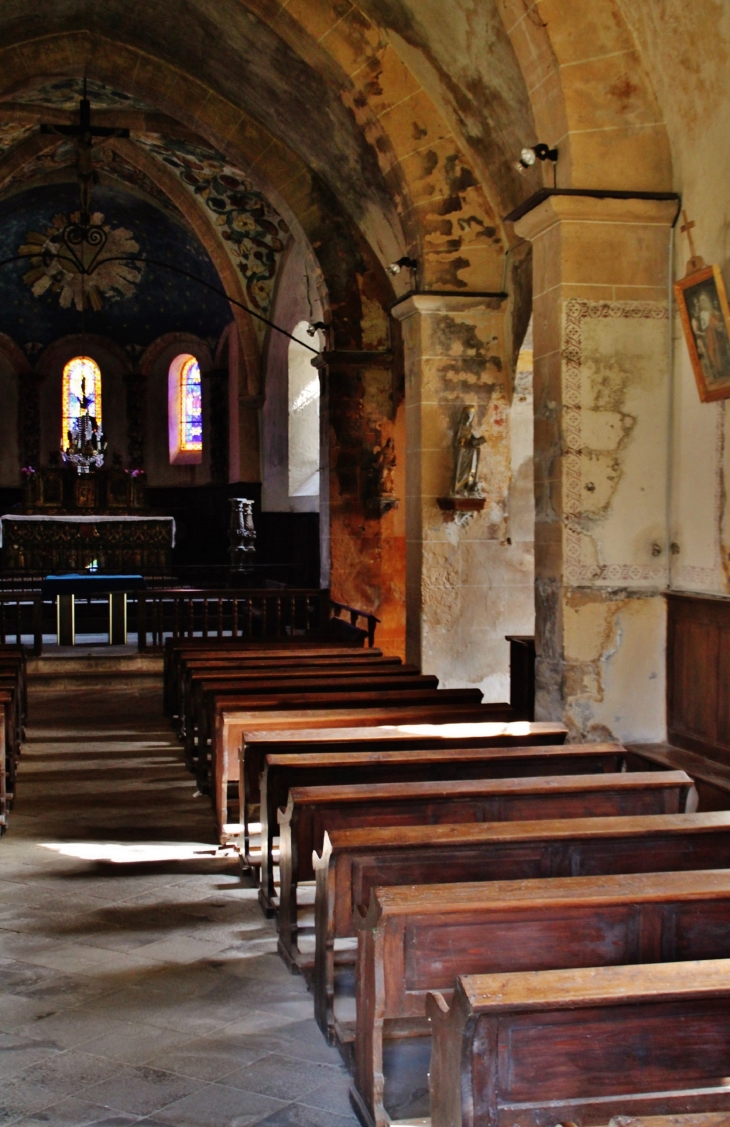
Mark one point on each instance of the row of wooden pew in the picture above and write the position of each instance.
(488, 885)
(216, 691)
(13, 713)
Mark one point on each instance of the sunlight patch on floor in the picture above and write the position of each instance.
(125, 854)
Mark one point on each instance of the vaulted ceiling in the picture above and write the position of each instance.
(369, 130)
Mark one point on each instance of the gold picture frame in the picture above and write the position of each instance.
(703, 307)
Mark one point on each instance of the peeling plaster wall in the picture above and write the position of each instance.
(614, 532)
(469, 582)
(686, 49)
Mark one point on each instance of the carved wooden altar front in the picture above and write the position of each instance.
(62, 543)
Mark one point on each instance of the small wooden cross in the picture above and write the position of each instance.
(695, 262)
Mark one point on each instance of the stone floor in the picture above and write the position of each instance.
(138, 982)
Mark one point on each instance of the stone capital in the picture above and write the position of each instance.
(431, 303)
(588, 209)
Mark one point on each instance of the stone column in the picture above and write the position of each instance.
(601, 446)
(29, 421)
(467, 584)
(135, 385)
(219, 430)
(363, 410)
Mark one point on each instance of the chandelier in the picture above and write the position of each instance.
(86, 443)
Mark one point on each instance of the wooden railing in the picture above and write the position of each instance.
(21, 615)
(226, 613)
(355, 615)
(268, 613)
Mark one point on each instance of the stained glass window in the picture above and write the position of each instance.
(191, 406)
(81, 377)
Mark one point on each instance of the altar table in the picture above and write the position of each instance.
(58, 543)
(65, 589)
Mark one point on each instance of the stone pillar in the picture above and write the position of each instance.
(29, 421)
(363, 413)
(135, 386)
(601, 386)
(219, 430)
(467, 585)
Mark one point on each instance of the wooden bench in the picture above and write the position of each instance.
(355, 861)
(13, 713)
(698, 1119)
(227, 745)
(8, 756)
(176, 652)
(245, 669)
(212, 691)
(198, 674)
(539, 1048)
(442, 734)
(417, 939)
(340, 694)
(311, 811)
(292, 656)
(282, 772)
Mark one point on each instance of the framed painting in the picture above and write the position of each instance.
(706, 322)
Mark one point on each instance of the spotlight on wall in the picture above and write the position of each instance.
(314, 326)
(528, 156)
(402, 263)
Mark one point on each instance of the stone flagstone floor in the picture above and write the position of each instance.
(138, 982)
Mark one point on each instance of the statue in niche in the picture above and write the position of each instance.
(467, 452)
(383, 477)
(386, 468)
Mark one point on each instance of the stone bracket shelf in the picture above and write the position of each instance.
(461, 504)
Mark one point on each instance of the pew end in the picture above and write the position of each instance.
(539, 1048)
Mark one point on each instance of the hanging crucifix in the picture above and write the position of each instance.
(84, 134)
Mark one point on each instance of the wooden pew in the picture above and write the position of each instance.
(698, 1119)
(311, 811)
(442, 734)
(355, 861)
(417, 939)
(178, 650)
(230, 724)
(282, 772)
(193, 669)
(546, 1047)
(8, 757)
(13, 713)
(13, 660)
(211, 690)
(194, 674)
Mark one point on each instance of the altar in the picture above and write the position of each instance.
(53, 543)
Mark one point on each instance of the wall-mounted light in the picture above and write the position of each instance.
(402, 263)
(541, 151)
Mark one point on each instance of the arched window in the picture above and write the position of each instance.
(303, 416)
(81, 378)
(185, 411)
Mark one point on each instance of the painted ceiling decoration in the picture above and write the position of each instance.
(53, 272)
(253, 232)
(64, 94)
(250, 229)
(133, 304)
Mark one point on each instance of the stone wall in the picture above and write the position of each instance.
(692, 86)
(469, 576)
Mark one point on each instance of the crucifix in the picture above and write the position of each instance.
(696, 262)
(84, 134)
